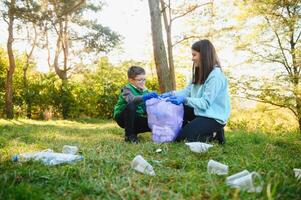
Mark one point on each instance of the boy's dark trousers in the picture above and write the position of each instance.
(131, 121)
(198, 128)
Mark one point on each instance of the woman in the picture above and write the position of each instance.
(206, 100)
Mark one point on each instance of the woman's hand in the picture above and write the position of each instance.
(166, 94)
(176, 100)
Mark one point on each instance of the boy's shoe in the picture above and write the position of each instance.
(131, 139)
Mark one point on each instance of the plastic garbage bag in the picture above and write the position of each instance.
(48, 157)
(164, 119)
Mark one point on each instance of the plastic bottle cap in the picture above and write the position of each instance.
(15, 158)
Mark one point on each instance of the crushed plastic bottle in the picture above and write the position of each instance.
(48, 157)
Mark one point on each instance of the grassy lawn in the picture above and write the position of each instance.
(106, 173)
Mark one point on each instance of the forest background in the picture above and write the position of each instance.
(62, 60)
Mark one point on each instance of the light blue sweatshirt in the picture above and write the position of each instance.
(210, 99)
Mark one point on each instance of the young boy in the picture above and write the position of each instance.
(129, 111)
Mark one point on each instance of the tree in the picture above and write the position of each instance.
(15, 10)
(12, 65)
(159, 47)
(63, 18)
(170, 15)
(27, 96)
(275, 40)
(170, 12)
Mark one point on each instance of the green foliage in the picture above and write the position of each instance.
(106, 173)
(262, 118)
(3, 67)
(273, 38)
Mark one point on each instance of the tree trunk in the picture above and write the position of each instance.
(62, 44)
(170, 58)
(159, 47)
(12, 64)
(61, 73)
(167, 25)
(65, 99)
(28, 98)
(25, 89)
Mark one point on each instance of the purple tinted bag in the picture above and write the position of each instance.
(164, 118)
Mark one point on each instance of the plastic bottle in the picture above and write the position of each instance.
(48, 157)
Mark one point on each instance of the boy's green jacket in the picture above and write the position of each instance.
(129, 94)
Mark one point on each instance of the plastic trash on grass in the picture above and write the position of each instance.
(198, 147)
(214, 167)
(48, 157)
(244, 180)
(141, 165)
(70, 149)
(297, 173)
(158, 150)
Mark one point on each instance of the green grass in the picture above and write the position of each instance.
(106, 173)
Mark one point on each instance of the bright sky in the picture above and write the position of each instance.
(130, 19)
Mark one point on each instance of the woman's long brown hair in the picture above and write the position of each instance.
(208, 61)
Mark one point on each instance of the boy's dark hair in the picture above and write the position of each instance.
(134, 71)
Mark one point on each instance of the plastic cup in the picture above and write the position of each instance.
(70, 149)
(141, 165)
(198, 147)
(231, 178)
(251, 182)
(214, 167)
(297, 173)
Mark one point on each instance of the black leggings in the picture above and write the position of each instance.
(131, 121)
(198, 128)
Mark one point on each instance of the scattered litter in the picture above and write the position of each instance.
(48, 157)
(215, 167)
(158, 150)
(141, 165)
(244, 180)
(70, 149)
(230, 179)
(198, 147)
(297, 173)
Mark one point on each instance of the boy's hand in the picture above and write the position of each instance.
(176, 100)
(150, 95)
(166, 94)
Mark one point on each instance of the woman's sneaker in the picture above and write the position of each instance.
(220, 136)
(131, 139)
